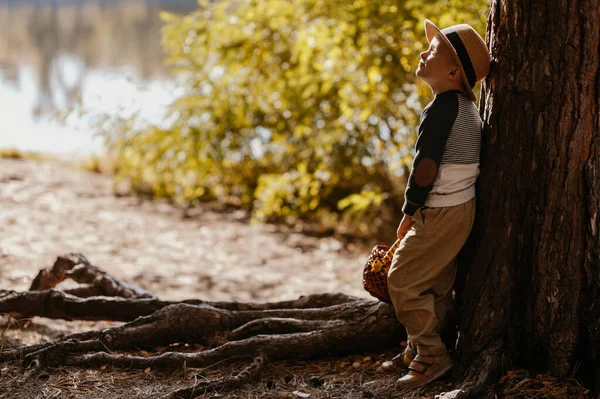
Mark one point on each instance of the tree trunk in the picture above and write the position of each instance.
(532, 291)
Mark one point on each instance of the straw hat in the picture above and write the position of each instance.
(468, 49)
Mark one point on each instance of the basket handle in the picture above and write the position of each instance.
(390, 253)
(387, 258)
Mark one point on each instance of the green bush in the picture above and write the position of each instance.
(296, 109)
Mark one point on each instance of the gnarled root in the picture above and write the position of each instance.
(308, 327)
(483, 371)
(95, 281)
(279, 333)
(55, 304)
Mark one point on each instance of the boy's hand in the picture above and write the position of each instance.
(404, 227)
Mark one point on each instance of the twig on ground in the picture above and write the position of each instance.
(199, 388)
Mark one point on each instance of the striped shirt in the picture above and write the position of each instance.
(446, 163)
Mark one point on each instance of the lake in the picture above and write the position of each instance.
(104, 55)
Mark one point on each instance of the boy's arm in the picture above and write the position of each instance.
(435, 127)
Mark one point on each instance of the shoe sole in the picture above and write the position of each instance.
(431, 379)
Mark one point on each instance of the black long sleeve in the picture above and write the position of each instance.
(437, 120)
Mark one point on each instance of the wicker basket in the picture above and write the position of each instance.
(376, 270)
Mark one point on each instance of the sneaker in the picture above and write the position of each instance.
(425, 369)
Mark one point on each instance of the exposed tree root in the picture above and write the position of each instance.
(275, 325)
(293, 333)
(309, 327)
(482, 372)
(31, 371)
(96, 282)
(55, 304)
(246, 375)
(22, 351)
(361, 335)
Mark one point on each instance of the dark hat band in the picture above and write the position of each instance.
(463, 56)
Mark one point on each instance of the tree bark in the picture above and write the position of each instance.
(533, 259)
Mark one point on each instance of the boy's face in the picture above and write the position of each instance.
(437, 67)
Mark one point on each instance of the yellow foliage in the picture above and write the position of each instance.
(291, 107)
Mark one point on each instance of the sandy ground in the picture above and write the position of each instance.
(47, 210)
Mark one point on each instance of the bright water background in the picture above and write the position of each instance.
(56, 54)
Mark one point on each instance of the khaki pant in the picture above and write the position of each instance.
(423, 270)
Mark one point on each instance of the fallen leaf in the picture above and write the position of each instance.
(301, 394)
(147, 371)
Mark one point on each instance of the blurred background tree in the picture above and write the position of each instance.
(298, 111)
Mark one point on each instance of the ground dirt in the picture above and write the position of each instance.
(48, 209)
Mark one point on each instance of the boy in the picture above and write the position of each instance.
(439, 203)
